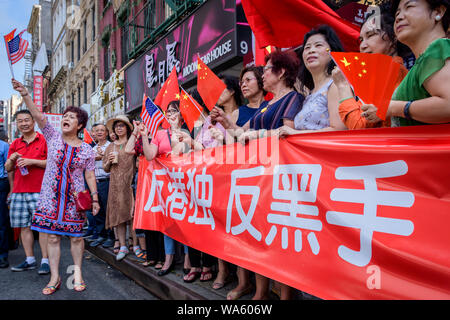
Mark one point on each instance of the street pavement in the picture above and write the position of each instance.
(103, 282)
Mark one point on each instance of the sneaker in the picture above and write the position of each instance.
(97, 242)
(108, 243)
(87, 234)
(24, 266)
(91, 238)
(121, 255)
(44, 269)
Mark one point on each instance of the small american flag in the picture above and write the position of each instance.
(151, 116)
(15, 46)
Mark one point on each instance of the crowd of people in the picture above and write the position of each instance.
(308, 93)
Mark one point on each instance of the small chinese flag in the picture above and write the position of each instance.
(190, 109)
(209, 86)
(168, 92)
(87, 137)
(372, 75)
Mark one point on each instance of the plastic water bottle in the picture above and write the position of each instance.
(23, 171)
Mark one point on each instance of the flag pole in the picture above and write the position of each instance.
(11, 68)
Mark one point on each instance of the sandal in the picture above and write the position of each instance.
(48, 290)
(191, 276)
(236, 294)
(148, 263)
(116, 248)
(219, 285)
(79, 287)
(206, 276)
(158, 265)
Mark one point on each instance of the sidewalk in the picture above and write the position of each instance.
(172, 286)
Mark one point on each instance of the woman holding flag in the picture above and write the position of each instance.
(162, 143)
(372, 40)
(423, 96)
(280, 73)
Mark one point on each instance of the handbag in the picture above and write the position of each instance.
(83, 200)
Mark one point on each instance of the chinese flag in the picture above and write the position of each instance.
(372, 75)
(190, 109)
(87, 137)
(209, 86)
(284, 23)
(261, 53)
(168, 92)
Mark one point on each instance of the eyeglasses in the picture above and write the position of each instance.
(246, 80)
(172, 111)
(267, 68)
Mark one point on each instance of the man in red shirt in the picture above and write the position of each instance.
(27, 158)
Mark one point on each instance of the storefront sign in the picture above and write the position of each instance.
(38, 82)
(210, 32)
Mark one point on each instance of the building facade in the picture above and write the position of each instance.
(82, 55)
(40, 51)
(57, 94)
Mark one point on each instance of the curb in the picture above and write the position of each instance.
(165, 288)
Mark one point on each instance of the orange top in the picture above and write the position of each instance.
(350, 109)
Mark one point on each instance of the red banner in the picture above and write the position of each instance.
(358, 214)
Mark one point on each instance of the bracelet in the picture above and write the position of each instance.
(95, 201)
(342, 100)
(94, 193)
(406, 110)
(24, 95)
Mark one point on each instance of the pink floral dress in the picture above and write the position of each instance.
(56, 212)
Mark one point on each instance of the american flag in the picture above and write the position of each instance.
(15, 46)
(151, 116)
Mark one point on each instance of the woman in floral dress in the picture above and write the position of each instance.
(68, 159)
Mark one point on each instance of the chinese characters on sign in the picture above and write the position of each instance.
(293, 206)
(154, 76)
(38, 91)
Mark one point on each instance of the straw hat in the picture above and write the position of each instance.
(120, 117)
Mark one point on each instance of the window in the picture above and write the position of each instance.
(85, 91)
(124, 44)
(72, 51)
(93, 81)
(79, 96)
(106, 64)
(85, 36)
(93, 23)
(73, 98)
(78, 45)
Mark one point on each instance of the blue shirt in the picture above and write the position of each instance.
(271, 116)
(4, 148)
(245, 113)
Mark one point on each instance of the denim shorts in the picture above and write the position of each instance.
(22, 208)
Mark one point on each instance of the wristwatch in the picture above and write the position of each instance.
(406, 110)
